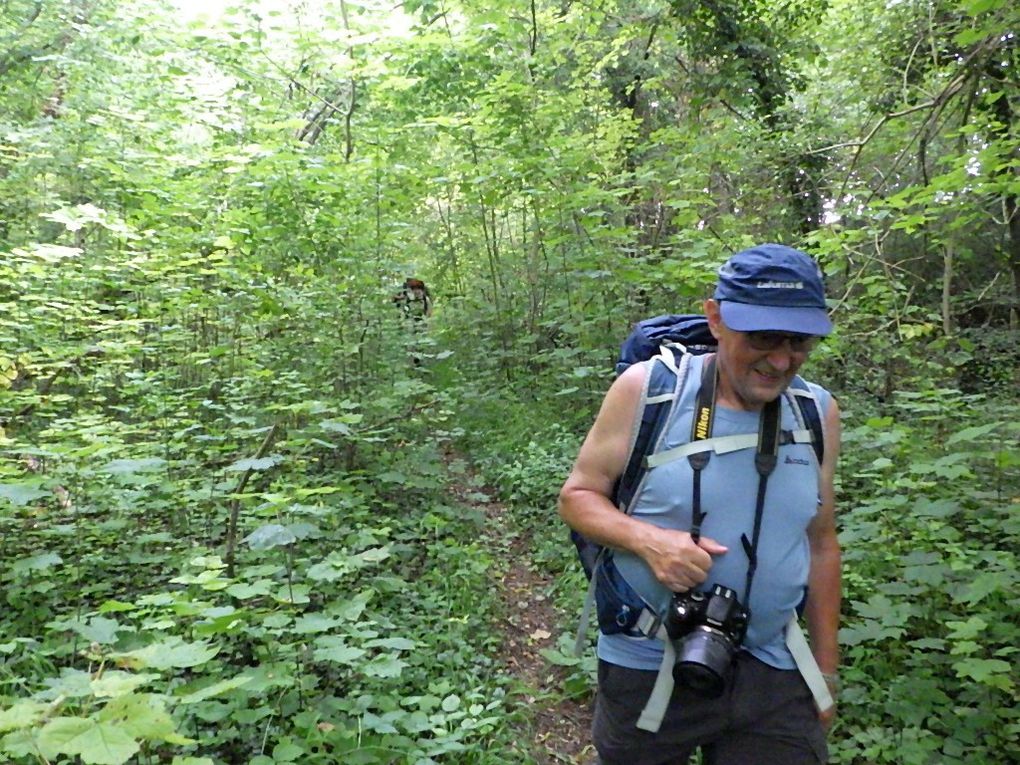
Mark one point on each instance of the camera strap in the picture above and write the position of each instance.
(764, 462)
(765, 459)
(701, 430)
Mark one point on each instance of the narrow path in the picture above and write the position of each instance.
(561, 726)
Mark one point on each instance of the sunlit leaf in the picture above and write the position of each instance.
(21, 714)
(167, 654)
(113, 683)
(261, 463)
(97, 743)
(216, 689)
(269, 536)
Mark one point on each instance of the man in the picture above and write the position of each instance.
(767, 312)
(414, 300)
(415, 303)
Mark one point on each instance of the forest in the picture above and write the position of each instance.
(252, 512)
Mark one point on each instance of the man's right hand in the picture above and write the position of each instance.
(678, 562)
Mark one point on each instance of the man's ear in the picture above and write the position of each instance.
(712, 313)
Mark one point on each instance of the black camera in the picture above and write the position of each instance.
(706, 630)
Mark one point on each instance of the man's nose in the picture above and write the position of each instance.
(781, 357)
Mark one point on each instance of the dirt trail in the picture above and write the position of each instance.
(561, 728)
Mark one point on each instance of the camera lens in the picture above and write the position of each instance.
(700, 679)
(703, 662)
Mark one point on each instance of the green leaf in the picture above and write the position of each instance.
(74, 218)
(97, 743)
(351, 610)
(216, 689)
(336, 650)
(54, 253)
(312, 623)
(244, 590)
(973, 433)
(451, 703)
(324, 571)
(263, 463)
(335, 426)
(378, 724)
(23, 743)
(73, 683)
(968, 37)
(143, 717)
(98, 630)
(558, 658)
(269, 536)
(977, 7)
(982, 586)
(20, 494)
(967, 630)
(287, 751)
(115, 683)
(294, 594)
(394, 644)
(167, 654)
(133, 467)
(39, 562)
(994, 672)
(373, 555)
(384, 666)
(22, 714)
(115, 606)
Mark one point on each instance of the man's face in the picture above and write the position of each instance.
(755, 367)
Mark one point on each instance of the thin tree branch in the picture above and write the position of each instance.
(235, 503)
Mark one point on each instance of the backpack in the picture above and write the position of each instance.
(671, 337)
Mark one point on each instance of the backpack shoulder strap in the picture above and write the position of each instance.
(663, 381)
(806, 409)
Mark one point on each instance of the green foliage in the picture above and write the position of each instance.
(201, 228)
(929, 538)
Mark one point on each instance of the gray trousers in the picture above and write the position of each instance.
(766, 717)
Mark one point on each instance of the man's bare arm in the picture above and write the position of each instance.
(825, 579)
(586, 504)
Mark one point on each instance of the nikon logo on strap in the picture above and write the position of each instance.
(701, 427)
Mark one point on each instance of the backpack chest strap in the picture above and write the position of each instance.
(724, 445)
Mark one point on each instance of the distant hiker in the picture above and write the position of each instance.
(414, 300)
(703, 660)
(415, 304)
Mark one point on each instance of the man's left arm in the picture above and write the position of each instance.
(824, 579)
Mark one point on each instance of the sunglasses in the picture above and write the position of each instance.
(770, 341)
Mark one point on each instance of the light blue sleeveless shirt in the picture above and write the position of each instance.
(729, 487)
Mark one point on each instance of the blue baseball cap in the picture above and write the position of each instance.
(773, 287)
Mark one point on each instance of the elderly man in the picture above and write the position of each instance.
(699, 533)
